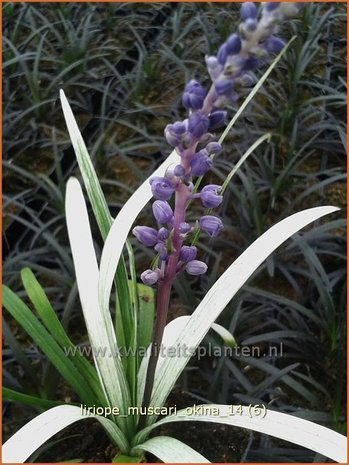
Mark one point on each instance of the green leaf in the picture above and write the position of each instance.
(23, 315)
(31, 436)
(49, 318)
(280, 425)
(170, 450)
(25, 399)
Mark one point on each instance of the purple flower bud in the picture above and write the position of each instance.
(222, 54)
(223, 87)
(194, 95)
(200, 164)
(213, 67)
(213, 147)
(198, 124)
(233, 44)
(196, 267)
(271, 6)
(210, 197)
(173, 133)
(179, 171)
(178, 127)
(184, 228)
(248, 10)
(162, 249)
(163, 234)
(211, 224)
(250, 24)
(217, 119)
(148, 236)
(187, 253)
(162, 211)
(250, 64)
(150, 277)
(161, 188)
(274, 44)
(247, 80)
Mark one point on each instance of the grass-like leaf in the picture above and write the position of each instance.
(31, 436)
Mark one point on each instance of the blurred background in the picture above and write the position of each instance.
(123, 67)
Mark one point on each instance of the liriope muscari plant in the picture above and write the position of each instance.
(131, 391)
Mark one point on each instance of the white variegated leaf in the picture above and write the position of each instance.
(31, 436)
(170, 450)
(280, 425)
(169, 368)
(99, 323)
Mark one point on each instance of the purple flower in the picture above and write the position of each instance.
(173, 133)
(211, 224)
(271, 6)
(198, 125)
(274, 44)
(210, 197)
(161, 188)
(187, 253)
(223, 87)
(148, 236)
(150, 277)
(195, 267)
(162, 211)
(179, 171)
(162, 249)
(213, 67)
(200, 164)
(184, 228)
(163, 234)
(250, 63)
(213, 147)
(233, 44)
(194, 95)
(248, 10)
(222, 54)
(217, 119)
(250, 24)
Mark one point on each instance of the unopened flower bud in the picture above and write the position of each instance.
(163, 234)
(187, 253)
(217, 119)
(196, 267)
(173, 133)
(210, 196)
(184, 228)
(213, 67)
(223, 87)
(146, 235)
(200, 164)
(248, 10)
(250, 24)
(211, 224)
(150, 277)
(233, 44)
(194, 95)
(161, 188)
(271, 6)
(162, 250)
(274, 44)
(198, 124)
(222, 54)
(179, 171)
(213, 147)
(162, 211)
